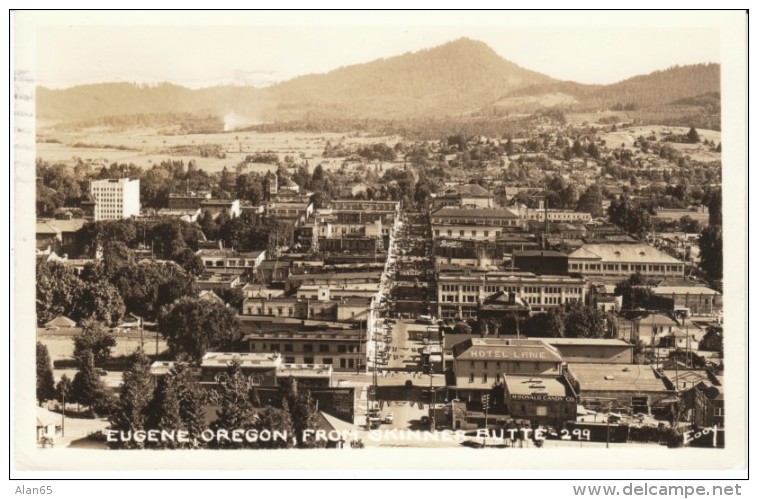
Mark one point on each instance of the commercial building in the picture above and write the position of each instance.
(229, 260)
(481, 363)
(622, 260)
(542, 400)
(115, 198)
(627, 387)
(464, 196)
(691, 300)
(460, 291)
(341, 349)
(216, 206)
(593, 350)
(473, 223)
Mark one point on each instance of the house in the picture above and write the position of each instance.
(60, 322)
(651, 328)
(209, 296)
(58, 235)
(49, 427)
(713, 340)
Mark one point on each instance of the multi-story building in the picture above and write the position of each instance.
(485, 224)
(479, 364)
(186, 201)
(343, 349)
(296, 211)
(462, 196)
(461, 291)
(115, 198)
(216, 206)
(230, 261)
(622, 260)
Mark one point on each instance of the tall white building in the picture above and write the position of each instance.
(115, 198)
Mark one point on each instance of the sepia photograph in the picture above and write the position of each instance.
(379, 240)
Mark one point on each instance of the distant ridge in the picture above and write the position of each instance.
(462, 77)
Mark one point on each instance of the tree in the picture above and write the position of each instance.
(192, 327)
(303, 411)
(63, 390)
(692, 136)
(591, 201)
(190, 262)
(630, 217)
(45, 381)
(100, 301)
(134, 398)
(462, 328)
(95, 338)
(550, 324)
(237, 412)
(635, 291)
(58, 289)
(712, 252)
(88, 388)
(148, 286)
(583, 321)
(714, 208)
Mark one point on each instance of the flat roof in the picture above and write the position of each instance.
(451, 211)
(603, 342)
(624, 253)
(246, 359)
(304, 370)
(683, 290)
(616, 377)
(534, 385)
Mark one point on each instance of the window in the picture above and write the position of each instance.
(274, 347)
(308, 360)
(288, 347)
(541, 410)
(484, 378)
(289, 360)
(341, 349)
(252, 347)
(471, 378)
(327, 361)
(343, 363)
(307, 347)
(323, 348)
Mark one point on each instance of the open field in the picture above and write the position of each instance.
(145, 146)
(699, 152)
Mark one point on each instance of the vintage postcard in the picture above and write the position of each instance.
(501, 241)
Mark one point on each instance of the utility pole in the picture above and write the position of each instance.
(608, 426)
(486, 406)
(434, 399)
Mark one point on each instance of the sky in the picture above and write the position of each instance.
(257, 49)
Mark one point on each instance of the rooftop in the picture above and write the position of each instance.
(602, 342)
(623, 253)
(304, 370)
(616, 377)
(223, 359)
(506, 349)
(469, 190)
(535, 385)
(453, 212)
(55, 226)
(683, 290)
(228, 252)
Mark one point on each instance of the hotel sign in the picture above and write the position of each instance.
(515, 354)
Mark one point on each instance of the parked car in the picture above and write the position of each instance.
(388, 418)
(425, 420)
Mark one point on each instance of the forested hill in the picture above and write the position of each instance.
(659, 88)
(459, 78)
(454, 78)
